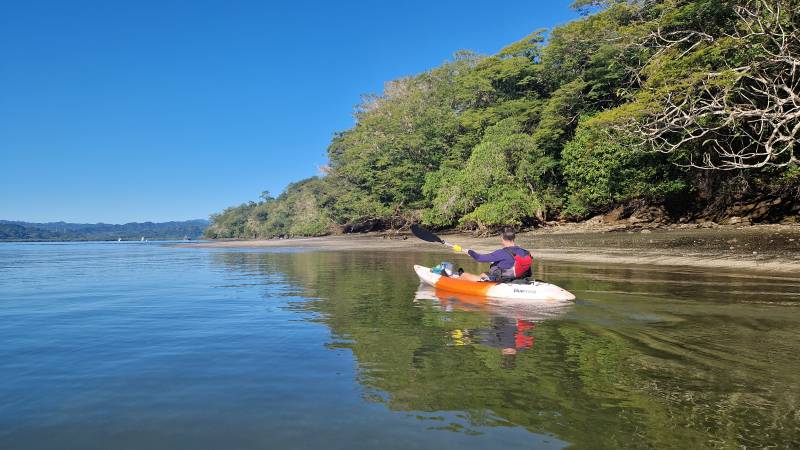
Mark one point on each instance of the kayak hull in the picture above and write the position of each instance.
(536, 291)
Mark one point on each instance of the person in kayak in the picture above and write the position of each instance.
(508, 263)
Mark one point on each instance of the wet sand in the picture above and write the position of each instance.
(767, 248)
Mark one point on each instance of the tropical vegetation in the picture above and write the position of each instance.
(690, 106)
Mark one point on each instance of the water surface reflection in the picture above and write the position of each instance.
(643, 352)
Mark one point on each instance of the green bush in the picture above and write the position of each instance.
(603, 167)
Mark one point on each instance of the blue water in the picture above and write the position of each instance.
(130, 345)
(146, 346)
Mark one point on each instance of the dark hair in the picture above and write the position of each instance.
(509, 234)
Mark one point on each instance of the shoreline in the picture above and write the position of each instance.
(764, 248)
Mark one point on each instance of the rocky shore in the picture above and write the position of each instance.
(640, 215)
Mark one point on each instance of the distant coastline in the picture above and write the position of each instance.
(18, 231)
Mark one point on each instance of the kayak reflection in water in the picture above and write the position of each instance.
(511, 326)
(505, 333)
(510, 336)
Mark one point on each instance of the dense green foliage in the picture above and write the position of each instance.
(62, 231)
(534, 133)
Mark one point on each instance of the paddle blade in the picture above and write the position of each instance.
(424, 234)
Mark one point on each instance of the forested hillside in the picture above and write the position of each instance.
(63, 231)
(687, 109)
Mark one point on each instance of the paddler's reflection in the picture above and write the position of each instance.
(509, 335)
(511, 326)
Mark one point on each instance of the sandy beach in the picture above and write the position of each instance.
(765, 248)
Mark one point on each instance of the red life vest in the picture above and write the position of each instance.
(522, 264)
(521, 340)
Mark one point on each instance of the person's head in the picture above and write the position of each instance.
(508, 236)
(508, 358)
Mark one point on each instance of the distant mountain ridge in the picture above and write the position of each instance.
(14, 230)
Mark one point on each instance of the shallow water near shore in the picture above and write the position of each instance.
(128, 345)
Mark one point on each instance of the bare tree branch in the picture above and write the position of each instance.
(740, 117)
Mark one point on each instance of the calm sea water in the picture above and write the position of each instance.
(128, 345)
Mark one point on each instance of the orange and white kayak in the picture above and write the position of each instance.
(533, 291)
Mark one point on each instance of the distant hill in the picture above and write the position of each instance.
(63, 231)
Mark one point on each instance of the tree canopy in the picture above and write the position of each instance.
(635, 101)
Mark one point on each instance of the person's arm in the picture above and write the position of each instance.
(495, 256)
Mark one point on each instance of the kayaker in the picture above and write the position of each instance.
(508, 263)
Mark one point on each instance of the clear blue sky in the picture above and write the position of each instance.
(168, 110)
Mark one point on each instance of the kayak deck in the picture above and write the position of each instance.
(535, 291)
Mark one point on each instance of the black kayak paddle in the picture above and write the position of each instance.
(428, 236)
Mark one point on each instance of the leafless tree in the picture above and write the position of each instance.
(739, 117)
